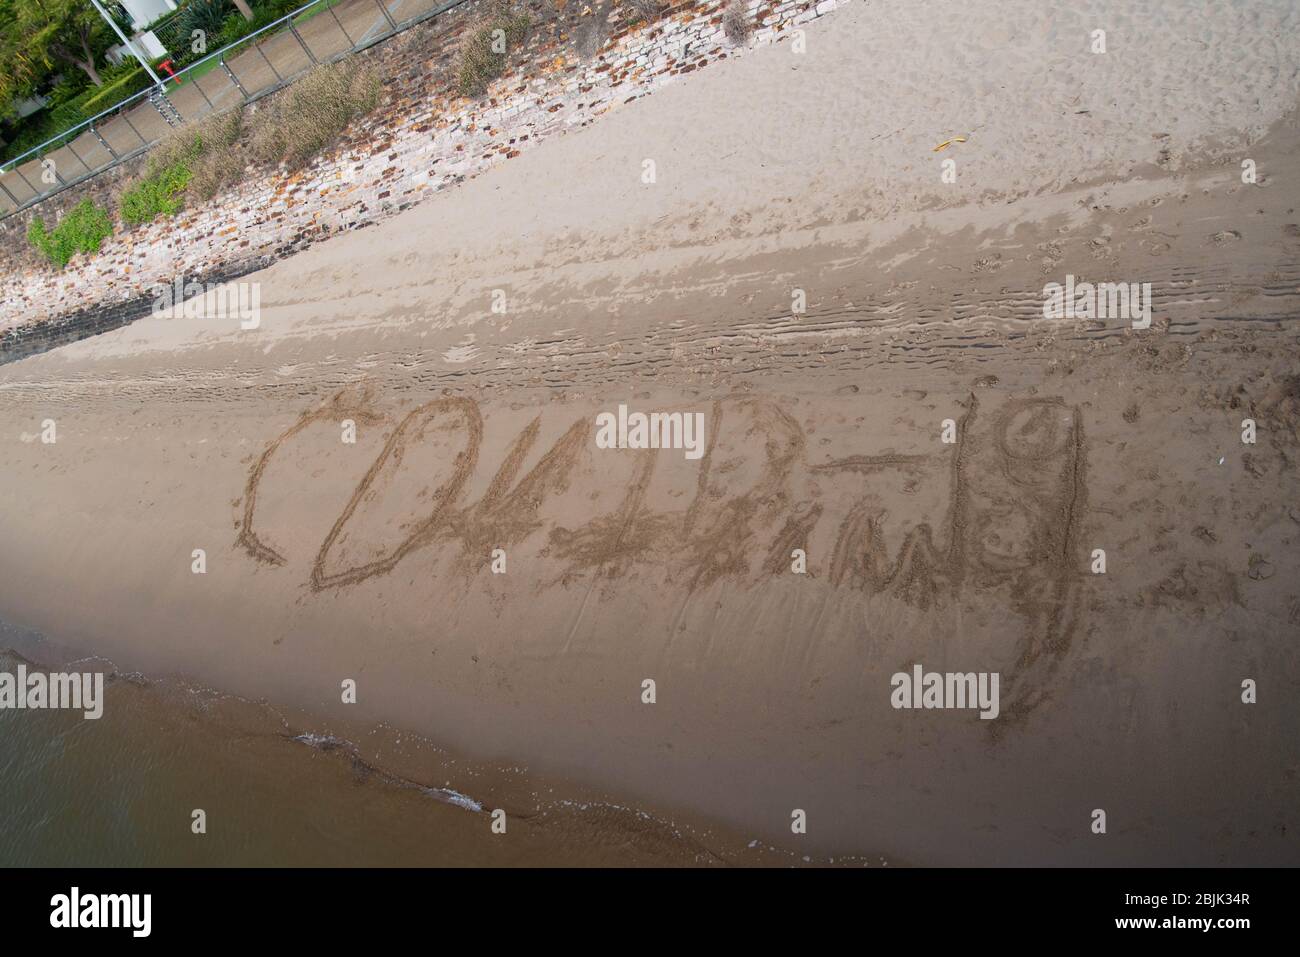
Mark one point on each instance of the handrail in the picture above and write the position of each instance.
(124, 106)
(85, 125)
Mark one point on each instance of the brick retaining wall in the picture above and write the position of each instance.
(416, 145)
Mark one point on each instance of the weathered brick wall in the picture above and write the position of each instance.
(419, 144)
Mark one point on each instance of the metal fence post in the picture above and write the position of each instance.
(78, 156)
(22, 176)
(127, 120)
(278, 77)
(104, 143)
(221, 58)
(340, 26)
(392, 24)
(302, 43)
(199, 86)
(54, 168)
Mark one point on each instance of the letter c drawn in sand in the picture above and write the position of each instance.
(412, 428)
(345, 404)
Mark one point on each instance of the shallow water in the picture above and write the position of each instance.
(122, 791)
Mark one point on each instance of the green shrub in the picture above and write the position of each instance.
(284, 7)
(73, 84)
(46, 125)
(83, 229)
(67, 109)
(125, 85)
(154, 196)
(64, 117)
(233, 28)
(206, 15)
(216, 18)
(116, 71)
(158, 192)
(236, 27)
(198, 159)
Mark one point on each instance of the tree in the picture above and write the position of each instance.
(244, 9)
(16, 80)
(36, 36)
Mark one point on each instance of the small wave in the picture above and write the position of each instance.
(328, 742)
(448, 796)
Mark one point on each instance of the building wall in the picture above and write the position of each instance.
(145, 12)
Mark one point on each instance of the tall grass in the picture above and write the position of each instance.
(310, 115)
(484, 56)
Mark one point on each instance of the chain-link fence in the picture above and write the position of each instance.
(255, 65)
(170, 31)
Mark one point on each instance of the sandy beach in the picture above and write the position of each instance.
(947, 460)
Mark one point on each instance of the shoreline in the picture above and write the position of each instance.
(563, 825)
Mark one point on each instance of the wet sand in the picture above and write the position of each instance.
(123, 791)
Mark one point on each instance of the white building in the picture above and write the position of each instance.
(142, 13)
(145, 12)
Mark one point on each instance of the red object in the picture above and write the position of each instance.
(167, 65)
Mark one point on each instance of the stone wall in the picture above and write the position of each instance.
(425, 138)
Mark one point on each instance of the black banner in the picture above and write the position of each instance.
(335, 906)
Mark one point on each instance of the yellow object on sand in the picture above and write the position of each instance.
(946, 143)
